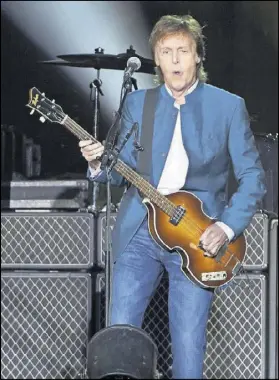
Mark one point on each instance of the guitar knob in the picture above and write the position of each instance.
(42, 119)
(32, 111)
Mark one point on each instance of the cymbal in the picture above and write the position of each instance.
(103, 61)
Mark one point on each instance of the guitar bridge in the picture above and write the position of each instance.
(178, 214)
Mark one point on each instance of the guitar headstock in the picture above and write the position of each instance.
(38, 102)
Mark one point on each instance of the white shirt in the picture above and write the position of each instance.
(176, 166)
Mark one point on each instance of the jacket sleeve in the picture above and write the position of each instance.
(248, 171)
(126, 122)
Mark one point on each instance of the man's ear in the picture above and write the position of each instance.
(198, 60)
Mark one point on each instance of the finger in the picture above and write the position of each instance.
(91, 147)
(209, 230)
(214, 234)
(211, 249)
(202, 240)
(203, 236)
(216, 239)
(211, 243)
(97, 152)
(205, 242)
(214, 248)
(92, 151)
(90, 157)
(84, 143)
(210, 253)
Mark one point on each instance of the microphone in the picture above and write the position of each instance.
(133, 64)
(97, 83)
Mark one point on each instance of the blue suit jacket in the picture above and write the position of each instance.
(215, 131)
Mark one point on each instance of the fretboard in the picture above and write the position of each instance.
(129, 174)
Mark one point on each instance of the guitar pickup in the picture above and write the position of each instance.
(178, 214)
(214, 276)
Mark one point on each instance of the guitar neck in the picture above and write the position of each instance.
(129, 174)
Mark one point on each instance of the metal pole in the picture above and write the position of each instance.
(96, 118)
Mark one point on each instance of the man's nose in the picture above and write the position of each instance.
(175, 58)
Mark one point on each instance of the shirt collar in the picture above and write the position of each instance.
(191, 89)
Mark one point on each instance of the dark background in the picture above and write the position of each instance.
(241, 57)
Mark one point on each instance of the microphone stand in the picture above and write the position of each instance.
(109, 159)
(96, 84)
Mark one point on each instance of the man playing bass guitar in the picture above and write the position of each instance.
(198, 130)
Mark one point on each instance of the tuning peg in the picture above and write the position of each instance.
(43, 94)
(53, 101)
(42, 119)
(32, 111)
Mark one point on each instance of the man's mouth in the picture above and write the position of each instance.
(177, 72)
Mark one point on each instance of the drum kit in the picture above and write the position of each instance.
(99, 60)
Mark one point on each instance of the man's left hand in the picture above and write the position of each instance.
(212, 240)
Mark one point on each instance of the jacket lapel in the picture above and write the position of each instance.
(165, 120)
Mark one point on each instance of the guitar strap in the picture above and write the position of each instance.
(146, 138)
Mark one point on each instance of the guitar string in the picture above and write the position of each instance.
(169, 208)
(128, 171)
(81, 133)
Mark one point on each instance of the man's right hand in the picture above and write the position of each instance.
(91, 152)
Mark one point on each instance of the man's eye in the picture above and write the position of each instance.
(165, 51)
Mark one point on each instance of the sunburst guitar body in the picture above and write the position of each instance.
(208, 272)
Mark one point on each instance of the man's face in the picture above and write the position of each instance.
(177, 57)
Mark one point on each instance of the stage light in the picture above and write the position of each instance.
(75, 27)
